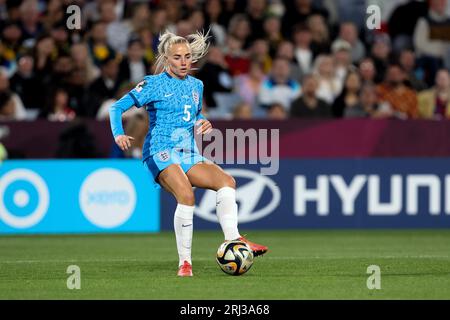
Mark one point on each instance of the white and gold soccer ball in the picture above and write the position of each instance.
(234, 257)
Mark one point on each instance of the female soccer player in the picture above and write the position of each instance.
(173, 100)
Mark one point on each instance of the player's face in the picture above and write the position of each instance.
(179, 60)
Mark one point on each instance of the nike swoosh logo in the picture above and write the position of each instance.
(168, 94)
(187, 225)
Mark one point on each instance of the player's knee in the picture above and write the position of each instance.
(229, 181)
(187, 198)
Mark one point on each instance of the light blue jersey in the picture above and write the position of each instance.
(173, 106)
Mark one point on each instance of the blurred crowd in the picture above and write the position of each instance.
(274, 59)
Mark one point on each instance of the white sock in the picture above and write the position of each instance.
(183, 225)
(227, 212)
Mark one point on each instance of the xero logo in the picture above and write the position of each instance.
(107, 198)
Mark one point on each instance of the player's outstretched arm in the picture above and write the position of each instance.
(115, 118)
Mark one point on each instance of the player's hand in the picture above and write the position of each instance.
(203, 126)
(123, 141)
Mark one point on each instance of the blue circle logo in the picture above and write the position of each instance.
(25, 198)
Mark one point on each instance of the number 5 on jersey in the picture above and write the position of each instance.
(187, 113)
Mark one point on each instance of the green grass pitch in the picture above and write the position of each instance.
(415, 264)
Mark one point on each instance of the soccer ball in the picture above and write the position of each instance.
(234, 257)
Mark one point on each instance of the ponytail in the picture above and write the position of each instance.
(199, 45)
(197, 42)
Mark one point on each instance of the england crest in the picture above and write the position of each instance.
(195, 97)
(164, 155)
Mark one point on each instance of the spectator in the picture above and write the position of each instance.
(147, 40)
(61, 70)
(381, 55)
(355, 11)
(255, 12)
(285, 50)
(197, 19)
(216, 75)
(400, 99)
(431, 38)
(330, 85)
(259, 52)
(173, 11)
(117, 31)
(134, 67)
(58, 107)
(60, 36)
(213, 9)
(302, 51)
(7, 107)
(349, 32)
(230, 8)
(91, 11)
(76, 88)
(298, 11)
(83, 61)
(242, 111)
(158, 23)
(277, 111)
(240, 28)
(435, 102)
(367, 70)
(330, 8)
(349, 96)
(188, 7)
(308, 105)
(140, 18)
(248, 85)
(342, 58)
(367, 105)
(407, 60)
(99, 49)
(184, 28)
(279, 87)
(25, 83)
(44, 56)
(10, 10)
(402, 23)
(10, 46)
(104, 87)
(272, 30)
(29, 22)
(53, 14)
(12, 103)
(319, 33)
(235, 57)
(9, 110)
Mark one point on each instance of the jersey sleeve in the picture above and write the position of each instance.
(139, 97)
(116, 111)
(142, 93)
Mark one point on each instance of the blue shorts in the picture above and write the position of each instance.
(161, 160)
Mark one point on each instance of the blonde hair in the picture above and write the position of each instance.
(197, 42)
